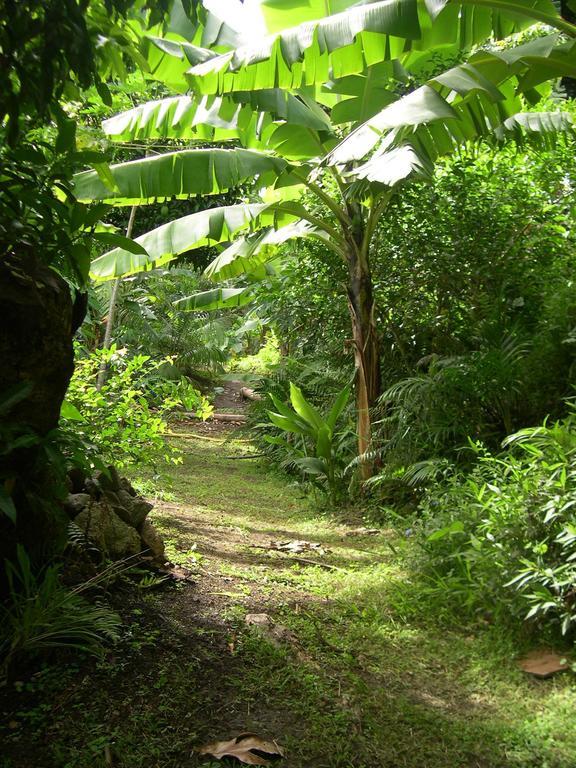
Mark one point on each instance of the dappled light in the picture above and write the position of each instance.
(287, 406)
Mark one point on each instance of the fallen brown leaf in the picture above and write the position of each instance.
(249, 748)
(543, 663)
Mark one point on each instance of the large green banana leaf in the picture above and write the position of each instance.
(165, 243)
(217, 298)
(169, 60)
(255, 119)
(359, 37)
(279, 15)
(246, 254)
(181, 117)
(358, 97)
(178, 175)
(466, 102)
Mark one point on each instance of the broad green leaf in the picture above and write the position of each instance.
(66, 138)
(214, 225)
(105, 175)
(81, 256)
(559, 62)
(324, 443)
(286, 411)
(104, 93)
(289, 424)
(229, 23)
(304, 409)
(454, 528)
(304, 54)
(462, 104)
(348, 42)
(395, 165)
(217, 298)
(278, 14)
(339, 405)
(540, 123)
(112, 238)
(312, 466)
(423, 105)
(248, 253)
(214, 117)
(69, 412)
(169, 60)
(283, 409)
(272, 119)
(177, 175)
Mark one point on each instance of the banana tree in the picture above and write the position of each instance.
(348, 104)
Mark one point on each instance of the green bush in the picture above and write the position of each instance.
(503, 538)
(117, 422)
(179, 394)
(260, 363)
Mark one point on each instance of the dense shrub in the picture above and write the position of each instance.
(503, 537)
(117, 423)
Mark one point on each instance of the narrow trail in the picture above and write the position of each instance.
(349, 671)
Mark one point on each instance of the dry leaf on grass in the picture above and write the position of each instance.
(543, 663)
(249, 748)
(297, 546)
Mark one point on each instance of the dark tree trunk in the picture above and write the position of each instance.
(38, 361)
(36, 339)
(366, 347)
(569, 83)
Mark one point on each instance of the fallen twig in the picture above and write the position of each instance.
(246, 456)
(320, 565)
(194, 436)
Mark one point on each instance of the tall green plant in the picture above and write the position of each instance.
(318, 434)
(328, 105)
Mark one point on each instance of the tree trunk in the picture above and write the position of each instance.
(569, 83)
(366, 350)
(103, 371)
(38, 362)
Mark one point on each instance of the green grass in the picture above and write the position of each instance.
(372, 674)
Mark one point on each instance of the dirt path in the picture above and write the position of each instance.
(355, 672)
(230, 398)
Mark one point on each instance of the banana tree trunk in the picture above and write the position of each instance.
(366, 350)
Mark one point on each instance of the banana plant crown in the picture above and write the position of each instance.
(367, 94)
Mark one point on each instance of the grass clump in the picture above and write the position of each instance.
(42, 614)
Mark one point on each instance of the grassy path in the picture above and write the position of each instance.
(358, 673)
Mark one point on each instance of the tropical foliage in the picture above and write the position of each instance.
(508, 528)
(318, 435)
(317, 198)
(421, 109)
